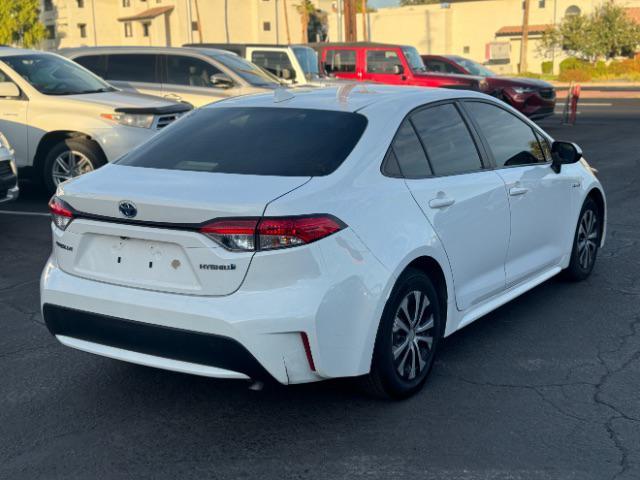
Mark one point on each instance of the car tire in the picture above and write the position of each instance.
(391, 367)
(586, 242)
(80, 155)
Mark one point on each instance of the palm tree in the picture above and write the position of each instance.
(306, 8)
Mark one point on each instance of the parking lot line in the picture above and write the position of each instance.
(11, 212)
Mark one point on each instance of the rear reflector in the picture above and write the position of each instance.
(307, 351)
(270, 233)
(61, 213)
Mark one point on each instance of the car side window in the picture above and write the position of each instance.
(439, 66)
(340, 61)
(190, 71)
(447, 140)
(132, 67)
(94, 63)
(382, 61)
(512, 141)
(408, 153)
(277, 63)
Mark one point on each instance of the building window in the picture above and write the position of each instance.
(542, 3)
(145, 29)
(51, 32)
(83, 30)
(266, 26)
(572, 11)
(127, 30)
(48, 5)
(194, 26)
(80, 3)
(466, 49)
(126, 3)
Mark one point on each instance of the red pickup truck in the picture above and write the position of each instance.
(387, 63)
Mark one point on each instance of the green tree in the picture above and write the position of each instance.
(20, 24)
(608, 32)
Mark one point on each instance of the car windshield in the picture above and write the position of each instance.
(52, 75)
(308, 59)
(254, 141)
(414, 60)
(474, 68)
(248, 71)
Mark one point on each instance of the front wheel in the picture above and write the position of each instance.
(68, 159)
(408, 336)
(585, 243)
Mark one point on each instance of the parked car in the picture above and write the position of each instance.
(63, 121)
(195, 76)
(291, 64)
(534, 98)
(9, 189)
(386, 63)
(294, 258)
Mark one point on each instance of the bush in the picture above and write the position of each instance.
(547, 68)
(575, 75)
(572, 63)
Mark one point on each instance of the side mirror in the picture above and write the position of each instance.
(564, 153)
(398, 69)
(221, 80)
(9, 90)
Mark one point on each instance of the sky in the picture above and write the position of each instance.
(383, 3)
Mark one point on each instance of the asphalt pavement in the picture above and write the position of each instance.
(546, 387)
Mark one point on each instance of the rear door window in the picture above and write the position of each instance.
(512, 141)
(447, 140)
(94, 63)
(254, 141)
(274, 62)
(133, 67)
(189, 71)
(408, 153)
(340, 61)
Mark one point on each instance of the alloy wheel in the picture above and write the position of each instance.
(412, 335)
(587, 239)
(70, 164)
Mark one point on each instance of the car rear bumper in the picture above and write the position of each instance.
(256, 331)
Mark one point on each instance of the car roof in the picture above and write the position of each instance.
(355, 44)
(11, 52)
(350, 97)
(69, 52)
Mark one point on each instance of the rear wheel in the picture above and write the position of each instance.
(408, 336)
(585, 242)
(68, 159)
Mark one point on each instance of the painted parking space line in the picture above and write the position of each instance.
(35, 214)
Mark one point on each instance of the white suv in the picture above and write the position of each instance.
(333, 234)
(63, 121)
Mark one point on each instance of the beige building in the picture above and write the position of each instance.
(74, 23)
(486, 30)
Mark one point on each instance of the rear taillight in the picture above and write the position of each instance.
(61, 213)
(270, 233)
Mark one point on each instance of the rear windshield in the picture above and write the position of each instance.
(254, 141)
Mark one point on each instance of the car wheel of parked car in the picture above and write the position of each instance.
(585, 243)
(70, 158)
(407, 339)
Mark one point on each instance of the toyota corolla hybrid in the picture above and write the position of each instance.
(327, 233)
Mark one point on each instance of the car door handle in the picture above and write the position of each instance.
(441, 202)
(515, 191)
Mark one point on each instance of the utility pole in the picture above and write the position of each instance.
(199, 22)
(525, 37)
(365, 34)
(286, 20)
(350, 32)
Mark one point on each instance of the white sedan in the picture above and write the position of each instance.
(327, 233)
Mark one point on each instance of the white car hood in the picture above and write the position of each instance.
(120, 99)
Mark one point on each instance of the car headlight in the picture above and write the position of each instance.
(521, 90)
(140, 120)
